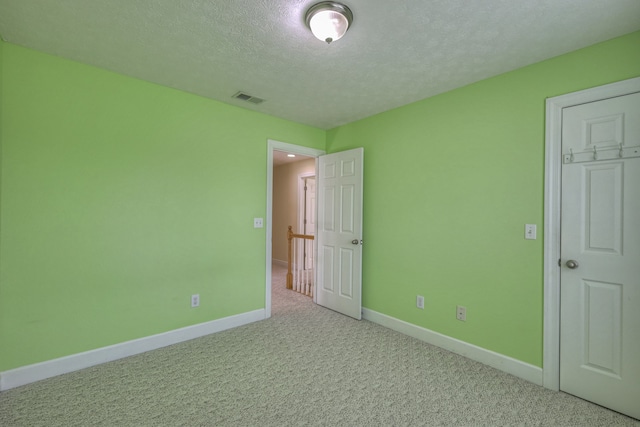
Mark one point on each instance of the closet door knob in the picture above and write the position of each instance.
(572, 264)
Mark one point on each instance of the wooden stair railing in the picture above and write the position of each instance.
(302, 281)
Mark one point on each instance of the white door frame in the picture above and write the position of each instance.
(301, 198)
(552, 203)
(302, 229)
(290, 148)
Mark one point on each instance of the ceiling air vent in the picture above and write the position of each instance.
(245, 97)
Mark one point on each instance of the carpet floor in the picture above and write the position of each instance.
(305, 366)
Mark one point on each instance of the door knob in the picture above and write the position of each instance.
(572, 264)
(355, 241)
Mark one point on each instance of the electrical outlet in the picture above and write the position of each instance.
(195, 300)
(257, 223)
(461, 313)
(420, 302)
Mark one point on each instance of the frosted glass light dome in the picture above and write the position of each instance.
(329, 21)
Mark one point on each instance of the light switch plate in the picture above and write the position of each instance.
(530, 231)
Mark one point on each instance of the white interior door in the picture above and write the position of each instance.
(339, 221)
(600, 246)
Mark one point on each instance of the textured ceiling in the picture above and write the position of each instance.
(396, 52)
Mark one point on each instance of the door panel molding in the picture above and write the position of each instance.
(552, 204)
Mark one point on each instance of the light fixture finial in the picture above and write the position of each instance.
(328, 20)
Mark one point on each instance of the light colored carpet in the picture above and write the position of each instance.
(304, 366)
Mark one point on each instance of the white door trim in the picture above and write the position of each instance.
(552, 199)
(291, 148)
(301, 198)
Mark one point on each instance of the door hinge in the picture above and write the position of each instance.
(559, 262)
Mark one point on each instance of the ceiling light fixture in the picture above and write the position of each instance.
(328, 20)
(291, 155)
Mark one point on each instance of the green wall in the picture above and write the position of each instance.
(451, 181)
(120, 199)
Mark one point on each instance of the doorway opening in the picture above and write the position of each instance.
(294, 220)
(284, 177)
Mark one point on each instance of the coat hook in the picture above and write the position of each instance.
(595, 153)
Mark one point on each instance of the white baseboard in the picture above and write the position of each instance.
(51, 368)
(39, 371)
(499, 361)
